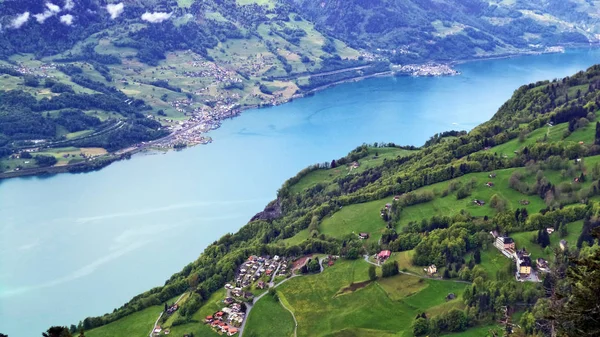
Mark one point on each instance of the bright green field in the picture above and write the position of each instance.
(554, 134)
(449, 205)
(137, 324)
(355, 219)
(493, 261)
(523, 239)
(384, 308)
(329, 175)
(269, 319)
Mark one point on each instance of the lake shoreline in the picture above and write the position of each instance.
(127, 153)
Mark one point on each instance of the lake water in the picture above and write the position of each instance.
(80, 245)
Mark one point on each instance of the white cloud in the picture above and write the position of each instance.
(20, 20)
(69, 4)
(51, 10)
(67, 19)
(115, 10)
(52, 7)
(156, 17)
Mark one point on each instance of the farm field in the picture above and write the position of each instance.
(329, 175)
(381, 308)
(355, 219)
(268, 318)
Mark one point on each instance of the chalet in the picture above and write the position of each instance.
(492, 175)
(219, 314)
(524, 202)
(525, 266)
(479, 202)
(208, 319)
(396, 197)
(450, 297)
(550, 230)
(388, 206)
(431, 269)
(504, 243)
(384, 255)
(354, 165)
(489, 184)
(563, 244)
(260, 285)
(363, 236)
(232, 331)
(542, 264)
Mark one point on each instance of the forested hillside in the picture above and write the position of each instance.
(453, 29)
(185, 65)
(535, 165)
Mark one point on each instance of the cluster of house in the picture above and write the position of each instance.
(429, 69)
(40, 71)
(228, 320)
(257, 266)
(522, 258)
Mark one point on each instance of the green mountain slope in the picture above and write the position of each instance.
(534, 165)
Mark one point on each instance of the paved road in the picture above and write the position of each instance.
(417, 275)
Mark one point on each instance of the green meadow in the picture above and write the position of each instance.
(376, 157)
(385, 307)
(269, 318)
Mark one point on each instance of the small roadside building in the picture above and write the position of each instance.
(430, 270)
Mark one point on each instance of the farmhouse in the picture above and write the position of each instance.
(384, 255)
(505, 243)
(479, 202)
(525, 267)
(431, 269)
(542, 265)
(363, 236)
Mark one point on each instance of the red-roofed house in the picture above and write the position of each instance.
(384, 255)
(232, 331)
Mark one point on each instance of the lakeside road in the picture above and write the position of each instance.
(164, 142)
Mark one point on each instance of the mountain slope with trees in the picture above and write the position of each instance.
(550, 179)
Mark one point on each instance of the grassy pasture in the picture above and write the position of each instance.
(329, 175)
(355, 219)
(268, 318)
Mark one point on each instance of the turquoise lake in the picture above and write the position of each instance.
(77, 245)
